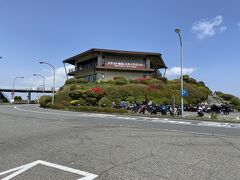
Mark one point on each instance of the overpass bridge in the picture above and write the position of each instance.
(29, 91)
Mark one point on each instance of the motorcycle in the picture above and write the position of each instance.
(200, 112)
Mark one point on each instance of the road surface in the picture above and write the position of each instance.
(50, 144)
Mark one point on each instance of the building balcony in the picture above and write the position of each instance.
(72, 72)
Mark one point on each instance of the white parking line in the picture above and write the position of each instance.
(23, 168)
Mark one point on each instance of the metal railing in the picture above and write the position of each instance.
(72, 70)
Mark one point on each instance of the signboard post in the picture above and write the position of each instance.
(184, 93)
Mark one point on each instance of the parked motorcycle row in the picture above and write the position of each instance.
(150, 108)
(218, 109)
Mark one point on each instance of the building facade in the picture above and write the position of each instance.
(104, 64)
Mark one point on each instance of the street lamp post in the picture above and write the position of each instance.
(14, 85)
(41, 62)
(43, 80)
(181, 59)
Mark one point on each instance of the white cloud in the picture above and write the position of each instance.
(222, 29)
(207, 28)
(176, 71)
(60, 77)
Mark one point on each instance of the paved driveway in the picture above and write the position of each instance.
(76, 145)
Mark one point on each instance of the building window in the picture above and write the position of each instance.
(103, 60)
(145, 63)
(90, 78)
(87, 64)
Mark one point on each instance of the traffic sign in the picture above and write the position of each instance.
(184, 93)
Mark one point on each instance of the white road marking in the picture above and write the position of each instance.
(196, 133)
(67, 114)
(216, 124)
(129, 118)
(141, 119)
(17, 170)
(23, 168)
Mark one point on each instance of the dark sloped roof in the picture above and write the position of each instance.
(157, 56)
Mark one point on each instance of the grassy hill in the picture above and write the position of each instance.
(103, 93)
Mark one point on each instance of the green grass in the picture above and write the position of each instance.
(160, 92)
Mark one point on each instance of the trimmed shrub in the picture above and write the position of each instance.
(81, 80)
(153, 81)
(110, 81)
(122, 81)
(140, 99)
(73, 87)
(164, 79)
(143, 80)
(105, 102)
(118, 77)
(156, 101)
(185, 78)
(44, 100)
(201, 83)
(91, 101)
(158, 86)
(90, 93)
(70, 81)
(75, 103)
(97, 109)
(165, 100)
(193, 81)
(62, 98)
(130, 99)
(61, 88)
(117, 92)
(49, 105)
(82, 102)
(75, 94)
(134, 81)
(98, 91)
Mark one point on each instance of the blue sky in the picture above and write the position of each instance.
(53, 30)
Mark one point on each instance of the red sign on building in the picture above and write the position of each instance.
(133, 65)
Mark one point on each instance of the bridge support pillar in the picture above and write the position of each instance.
(29, 96)
(1, 97)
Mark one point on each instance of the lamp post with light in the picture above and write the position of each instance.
(42, 62)
(43, 80)
(14, 85)
(181, 60)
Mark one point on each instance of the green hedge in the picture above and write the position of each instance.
(70, 81)
(75, 94)
(81, 80)
(97, 109)
(45, 101)
(121, 81)
(105, 102)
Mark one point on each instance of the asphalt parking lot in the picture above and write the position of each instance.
(81, 145)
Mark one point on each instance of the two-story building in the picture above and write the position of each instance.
(104, 64)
